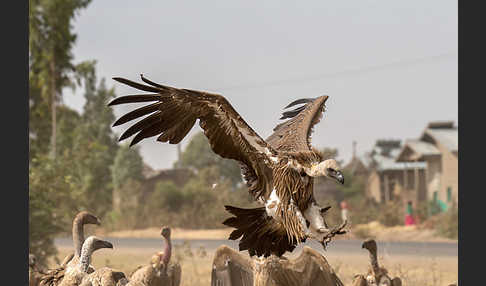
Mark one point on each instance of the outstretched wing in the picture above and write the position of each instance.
(309, 268)
(294, 135)
(231, 268)
(174, 113)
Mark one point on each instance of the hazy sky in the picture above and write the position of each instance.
(388, 67)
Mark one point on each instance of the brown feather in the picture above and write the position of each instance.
(295, 133)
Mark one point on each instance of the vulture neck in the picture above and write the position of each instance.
(78, 236)
(167, 250)
(86, 253)
(374, 261)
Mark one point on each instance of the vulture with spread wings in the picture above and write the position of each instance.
(278, 171)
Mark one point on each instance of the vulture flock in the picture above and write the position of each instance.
(76, 268)
(279, 173)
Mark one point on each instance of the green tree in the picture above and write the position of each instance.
(128, 164)
(50, 61)
(52, 204)
(95, 145)
(353, 185)
(198, 155)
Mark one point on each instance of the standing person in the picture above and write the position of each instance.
(344, 210)
(409, 220)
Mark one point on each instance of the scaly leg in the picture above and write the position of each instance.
(314, 215)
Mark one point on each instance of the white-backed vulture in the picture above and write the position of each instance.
(53, 276)
(104, 276)
(376, 276)
(34, 272)
(232, 268)
(279, 172)
(160, 272)
(75, 273)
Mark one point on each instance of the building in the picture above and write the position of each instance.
(391, 180)
(437, 147)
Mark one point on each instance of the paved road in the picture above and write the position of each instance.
(427, 249)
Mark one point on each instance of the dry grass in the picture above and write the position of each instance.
(196, 264)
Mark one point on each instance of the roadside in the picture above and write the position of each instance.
(373, 229)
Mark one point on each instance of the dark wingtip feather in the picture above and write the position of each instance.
(135, 99)
(136, 85)
(299, 101)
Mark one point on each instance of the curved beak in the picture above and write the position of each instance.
(107, 244)
(338, 176)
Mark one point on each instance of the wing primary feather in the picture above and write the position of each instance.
(137, 85)
(138, 113)
(147, 121)
(292, 113)
(146, 80)
(134, 99)
(299, 101)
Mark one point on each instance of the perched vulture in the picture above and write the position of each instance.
(279, 172)
(104, 276)
(75, 273)
(232, 268)
(160, 272)
(376, 276)
(34, 271)
(53, 276)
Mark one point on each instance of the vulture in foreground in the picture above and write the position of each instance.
(34, 271)
(279, 171)
(376, 276)
(160, 272)
(76, 272)
(53, 276)
(232, 268)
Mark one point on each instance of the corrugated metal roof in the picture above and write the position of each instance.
(422, 147)
(447, 137)
(389, 163)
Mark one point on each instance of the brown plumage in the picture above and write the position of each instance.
(35, 273)
(160, 272)
(376, 276)
(232, 268)
(284, 164)
(104, 276)
(76, 273)
(53, 276)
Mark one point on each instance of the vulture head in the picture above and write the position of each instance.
(370, 244)
(87, 218)
(165, 232)
(96, 243)
(327, 168)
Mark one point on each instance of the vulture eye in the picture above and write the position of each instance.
(331, 171)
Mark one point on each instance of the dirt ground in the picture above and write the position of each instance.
(196, 264)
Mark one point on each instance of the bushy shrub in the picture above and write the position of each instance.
(391, 213)
(448, 223)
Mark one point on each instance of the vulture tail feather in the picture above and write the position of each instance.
(260, 234)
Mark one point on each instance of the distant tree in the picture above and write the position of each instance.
(95, 145)
(353, 185)
(50, 59)
(52, 204)
(331, 153)
(198, 155)
(128, 164)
